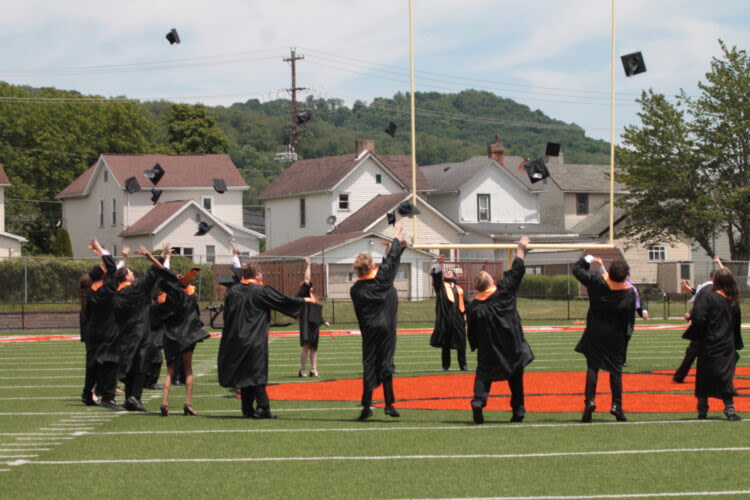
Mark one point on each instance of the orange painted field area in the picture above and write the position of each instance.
(652, 392)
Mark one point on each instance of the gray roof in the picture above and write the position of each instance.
(516, 230)
(449, 177)
(583, 178)
(597, 223)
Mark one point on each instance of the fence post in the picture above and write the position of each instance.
(664, 303)
(26, 280)
(567, 280)
(23, 318)
(333, 311)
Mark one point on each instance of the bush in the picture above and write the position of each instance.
(548, 287)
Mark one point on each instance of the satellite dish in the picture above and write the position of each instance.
(331, 220)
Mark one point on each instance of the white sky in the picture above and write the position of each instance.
(552, 55)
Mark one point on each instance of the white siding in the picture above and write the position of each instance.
(282, 218)
(448, 204)
(509, 201)
(596, 201)
(361, 187)
(227, 206)
(2, 209)
(431, 229)
(9, 247)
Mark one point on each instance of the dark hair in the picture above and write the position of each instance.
(724, 281)
(121, 274)
(619, 270)
(84, 285)
(250, 270)
(96, 273)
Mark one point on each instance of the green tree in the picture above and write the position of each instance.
(61, 247)
(192, 130)
(687, 166)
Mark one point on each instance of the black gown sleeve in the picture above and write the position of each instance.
(512, 279)
(389, 267)
(584, 274)
(269, 298)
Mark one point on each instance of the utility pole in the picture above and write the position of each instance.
(293, 133)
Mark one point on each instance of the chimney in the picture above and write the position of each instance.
(360, 145)
(496, 151)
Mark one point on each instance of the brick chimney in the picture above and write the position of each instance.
(497, 151)
(364, 144)
(555, 160)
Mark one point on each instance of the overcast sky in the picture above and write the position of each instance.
(552, 55)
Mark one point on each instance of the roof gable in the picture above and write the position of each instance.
(180, 172)
(164, 213)
(309, 246)
(451, 177)
(4, 181)
(582, 178)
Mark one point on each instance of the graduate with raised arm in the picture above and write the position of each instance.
(98, 329)
(496, 334)
(450, 314)
(131, 307)
(243, 351)
(376, 304)
(605, 339)
(309, 324)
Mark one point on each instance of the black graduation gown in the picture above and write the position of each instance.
(183, 327)
(716, 329)
(243, 351)
(611, 312)
(98, 326)
(450, 330)
(495, 329)
(310, 319)
(132, 313)
(376, 306)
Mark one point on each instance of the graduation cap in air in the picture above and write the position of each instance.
(553, 149)
(220, 186)
(226, 280)
(155, 195)
(173, 37)
(391, 129)
(154, 174)
(131, 185)
(188, 277)
(633, 64)
(536, 170)
(406, 209)
(391, 216)
(304, 117)
(203, 228)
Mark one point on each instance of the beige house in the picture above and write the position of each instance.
(97, 204)
(10, 244)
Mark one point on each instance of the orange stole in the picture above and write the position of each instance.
(95, 286)
(452, 298)
(485, 294)
(253, 281)
(370, 275)
(123, 285)
(615, 285)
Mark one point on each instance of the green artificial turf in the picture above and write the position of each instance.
(318, 450)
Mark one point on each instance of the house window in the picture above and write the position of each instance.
(685, 271)
(344, 201)
(657, 253)
(211, 254)
(582, 204)
(106, 176)
(208, 203)
(187, 252)
(114, 250)
(483, 207)
(101, 213)
(197, 217)
(378, 179)
(302, 215)
(114, 211)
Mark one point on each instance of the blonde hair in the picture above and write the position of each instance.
(362, 264)
(482, 281)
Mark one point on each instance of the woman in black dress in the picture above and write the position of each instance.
(309, 325)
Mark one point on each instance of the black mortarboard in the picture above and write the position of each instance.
(155, 195)
(203, 228)
(304, 117)
(391, 218)
(391, 130)
(131, 185)
(225, 280)
(553, 149)
(154, 174)
(406, 209)
(173, 37)
(633, 64)
(537, 170)
(220, 186)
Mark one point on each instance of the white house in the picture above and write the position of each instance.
(10, 244)
(97, 204)
(301, 200)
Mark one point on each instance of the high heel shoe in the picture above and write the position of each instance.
(187, 410)
(164, 410)
(314, 373)
(302, 373)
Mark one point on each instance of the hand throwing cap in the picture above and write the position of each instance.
(203, 228)
(154, 174)
(633, 64)
(220, 186)
(553, 149)
(391, 129)
(406, 209)
(155, 195)
(173, 37)
(131, 185)
(536, 170)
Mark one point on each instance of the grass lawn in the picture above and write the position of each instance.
(51, 446)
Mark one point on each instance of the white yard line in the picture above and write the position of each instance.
(672, 494)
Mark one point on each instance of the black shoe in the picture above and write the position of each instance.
(164, 409)
(678, 380)
(393, 412)
(89, 401)
(110, 405)
(264, 413)
(133, 404)
(366, 413)
(616, 410)
(476, 412)
(588, 411)
(464, 368)
(517, 417)
(732, 416)
(188, 411)
(445, 369)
